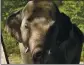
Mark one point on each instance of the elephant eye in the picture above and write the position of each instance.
(26, 26)
(30, 19)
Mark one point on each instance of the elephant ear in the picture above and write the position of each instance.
(13, 24)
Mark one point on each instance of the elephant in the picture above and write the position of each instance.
(41, 29)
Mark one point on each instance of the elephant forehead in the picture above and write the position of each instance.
(42, 8)
(42, 21)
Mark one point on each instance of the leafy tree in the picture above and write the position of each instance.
(74, 9)
(9, 6)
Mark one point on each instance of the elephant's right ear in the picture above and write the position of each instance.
(13, 24)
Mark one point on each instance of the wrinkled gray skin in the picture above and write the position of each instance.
(30, 25)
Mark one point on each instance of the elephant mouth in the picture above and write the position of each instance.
(37, 55)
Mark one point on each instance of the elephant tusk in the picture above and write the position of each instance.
(27, 49)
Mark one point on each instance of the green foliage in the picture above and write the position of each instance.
(82, 54)
(15, 59)
(10, 44)
(74, 9)
(9, 6)
(81, 26)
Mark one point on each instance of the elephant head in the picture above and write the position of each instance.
(31, 24)
(38, 23)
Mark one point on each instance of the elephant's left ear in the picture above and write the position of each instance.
(13, 24)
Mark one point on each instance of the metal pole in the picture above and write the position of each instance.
(4, 50)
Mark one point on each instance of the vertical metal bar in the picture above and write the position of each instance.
(4, 50)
